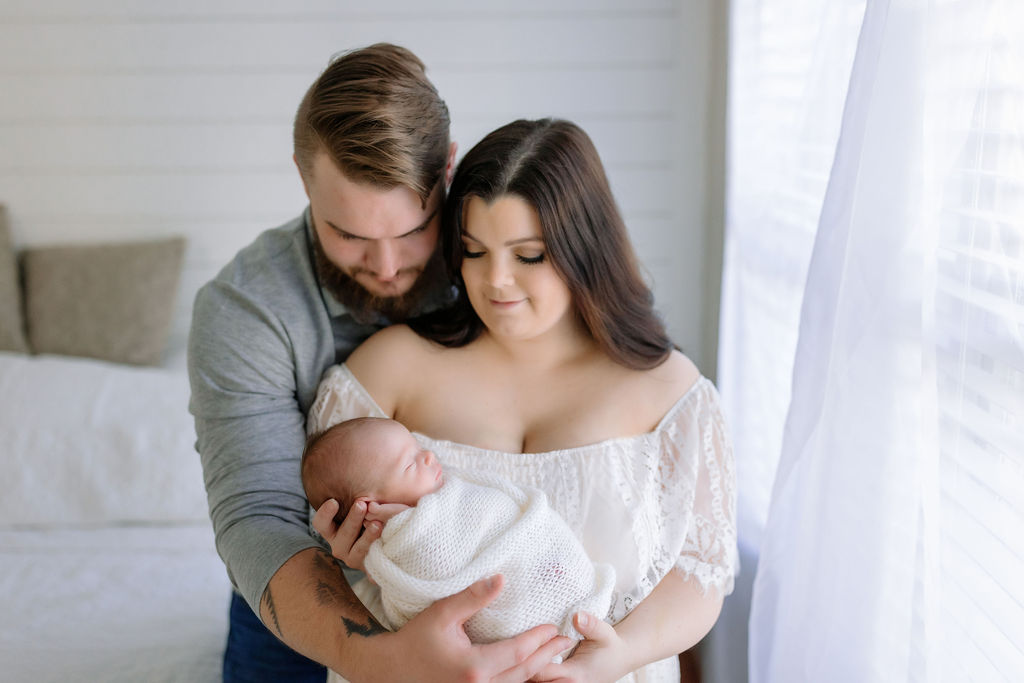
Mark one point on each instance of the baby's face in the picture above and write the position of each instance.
(408, 471)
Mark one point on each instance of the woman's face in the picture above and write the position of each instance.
(509, 278)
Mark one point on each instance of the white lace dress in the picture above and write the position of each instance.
(644, 504)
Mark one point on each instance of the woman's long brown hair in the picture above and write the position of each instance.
(553, 165)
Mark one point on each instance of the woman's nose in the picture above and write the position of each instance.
(498, 273)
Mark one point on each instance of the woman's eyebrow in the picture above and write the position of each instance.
(510, 243)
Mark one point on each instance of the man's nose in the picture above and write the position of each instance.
(382, 260)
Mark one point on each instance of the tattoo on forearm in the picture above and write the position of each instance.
(327, 594)
(371, 629)
(329, 574)
(268, 600)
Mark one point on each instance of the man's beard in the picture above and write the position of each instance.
(367, 307)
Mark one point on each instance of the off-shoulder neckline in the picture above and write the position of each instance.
(663, 423)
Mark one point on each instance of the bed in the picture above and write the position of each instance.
(108, 570)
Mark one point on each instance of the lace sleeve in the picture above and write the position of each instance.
(339, 397)
(709, 551)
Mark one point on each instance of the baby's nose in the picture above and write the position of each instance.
(428, 457)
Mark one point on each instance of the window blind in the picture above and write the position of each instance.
(979, 345)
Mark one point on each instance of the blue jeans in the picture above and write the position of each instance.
(254, 655)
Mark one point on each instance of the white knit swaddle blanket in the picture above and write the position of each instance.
(475, 526)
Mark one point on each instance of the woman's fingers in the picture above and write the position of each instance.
(537, 659)
(590, 659)
(592, 628)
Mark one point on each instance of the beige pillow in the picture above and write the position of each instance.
(12, 325)
(113, 302)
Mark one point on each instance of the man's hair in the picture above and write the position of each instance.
(330, 453)
(554, 166)
(379, 119)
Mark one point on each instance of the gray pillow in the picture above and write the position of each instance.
(12, 325)
(113, 302)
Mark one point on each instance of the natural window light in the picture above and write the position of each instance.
(872, 354)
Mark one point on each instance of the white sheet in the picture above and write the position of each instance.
(114, 604)
(88, 442)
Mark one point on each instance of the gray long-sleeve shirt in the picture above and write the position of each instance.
(263, 333)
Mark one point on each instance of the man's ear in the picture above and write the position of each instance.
(301, 176)
(449, 170)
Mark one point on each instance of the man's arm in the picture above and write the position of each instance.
(250, 433)
(310, 606)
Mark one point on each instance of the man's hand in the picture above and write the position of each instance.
(348, 540)
(435, 647)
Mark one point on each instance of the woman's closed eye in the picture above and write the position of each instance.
(525, 259)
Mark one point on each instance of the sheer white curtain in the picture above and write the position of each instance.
(893, 547)
(789, 66)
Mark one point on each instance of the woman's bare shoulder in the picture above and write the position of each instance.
(676, 374)
(653, 392)
(382, 346)
(382, 363)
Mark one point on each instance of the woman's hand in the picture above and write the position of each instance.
(348, 540)
(601, 656)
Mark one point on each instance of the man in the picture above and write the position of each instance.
(372, 148)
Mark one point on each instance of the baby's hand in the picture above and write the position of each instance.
(382, 512)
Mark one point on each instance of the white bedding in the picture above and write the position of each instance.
(108, 570)
(84, 441)
(113, 604)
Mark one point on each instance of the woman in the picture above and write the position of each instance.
(555, 372)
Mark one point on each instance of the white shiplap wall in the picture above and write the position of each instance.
(128, 119)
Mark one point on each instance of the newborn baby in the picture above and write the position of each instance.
(444, 530)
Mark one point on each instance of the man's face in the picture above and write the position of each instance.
(381, 240)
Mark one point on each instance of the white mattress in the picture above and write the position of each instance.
(112, 604)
